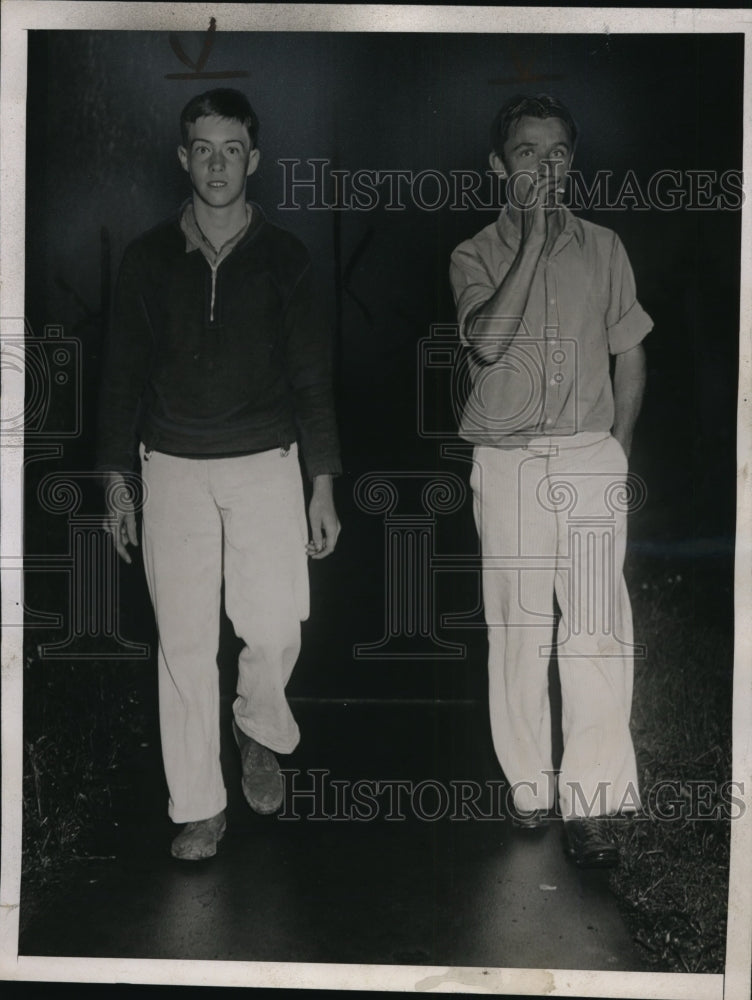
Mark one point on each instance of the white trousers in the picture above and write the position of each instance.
(244, 519)
(552, 519)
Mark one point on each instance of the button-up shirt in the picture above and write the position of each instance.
(554, 377)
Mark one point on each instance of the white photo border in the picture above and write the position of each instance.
(21, 16)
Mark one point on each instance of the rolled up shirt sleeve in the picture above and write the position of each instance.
(472, 285)
(627, 323)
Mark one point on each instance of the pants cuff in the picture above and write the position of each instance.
(192, 814)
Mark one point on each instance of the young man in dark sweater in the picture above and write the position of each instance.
(218, 365)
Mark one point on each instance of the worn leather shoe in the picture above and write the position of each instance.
(262, 779)
(198, 840)
(586, 843)
(528, 819)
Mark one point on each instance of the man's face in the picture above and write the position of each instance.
(540, 146)
(218, 159)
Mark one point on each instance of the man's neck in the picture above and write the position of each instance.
(220, 224)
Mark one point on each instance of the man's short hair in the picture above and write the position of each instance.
(540, 106)
(224, 102)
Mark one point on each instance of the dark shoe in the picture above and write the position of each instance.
(262, 780)
(586, 843)
(532, 819)
(198, 840)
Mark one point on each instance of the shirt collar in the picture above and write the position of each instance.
(509, 234)
(195, 239)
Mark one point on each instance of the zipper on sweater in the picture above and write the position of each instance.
(214, 291)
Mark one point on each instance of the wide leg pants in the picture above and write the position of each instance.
(552, 518)
(204, 519)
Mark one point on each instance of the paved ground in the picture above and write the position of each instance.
(463, 892)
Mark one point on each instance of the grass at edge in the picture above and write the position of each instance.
(672, 881)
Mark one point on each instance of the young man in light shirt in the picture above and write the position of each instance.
(543, 300)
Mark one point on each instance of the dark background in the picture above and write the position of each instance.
(102, 167)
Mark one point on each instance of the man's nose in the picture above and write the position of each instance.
(217, 160)
(547, 171)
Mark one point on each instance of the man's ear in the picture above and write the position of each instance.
(183, 157)
(497, 164)
(253, 161)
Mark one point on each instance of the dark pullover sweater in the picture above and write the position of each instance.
(206, 362)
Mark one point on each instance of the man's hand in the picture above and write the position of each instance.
(532, 197)
(122, 520)
(541, 222)
(325, 526)
(491, 340)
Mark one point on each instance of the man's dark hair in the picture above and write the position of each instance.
(222, 103)
(540, 106)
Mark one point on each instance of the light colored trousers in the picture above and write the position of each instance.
(552, 518)
(243, 518)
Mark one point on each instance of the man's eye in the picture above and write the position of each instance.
(233, 151)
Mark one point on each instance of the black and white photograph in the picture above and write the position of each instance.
(375, 507)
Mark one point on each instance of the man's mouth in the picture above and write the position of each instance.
(217, 184)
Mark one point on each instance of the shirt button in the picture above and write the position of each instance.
(551, 302)
(558, 377)
(552, 382)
